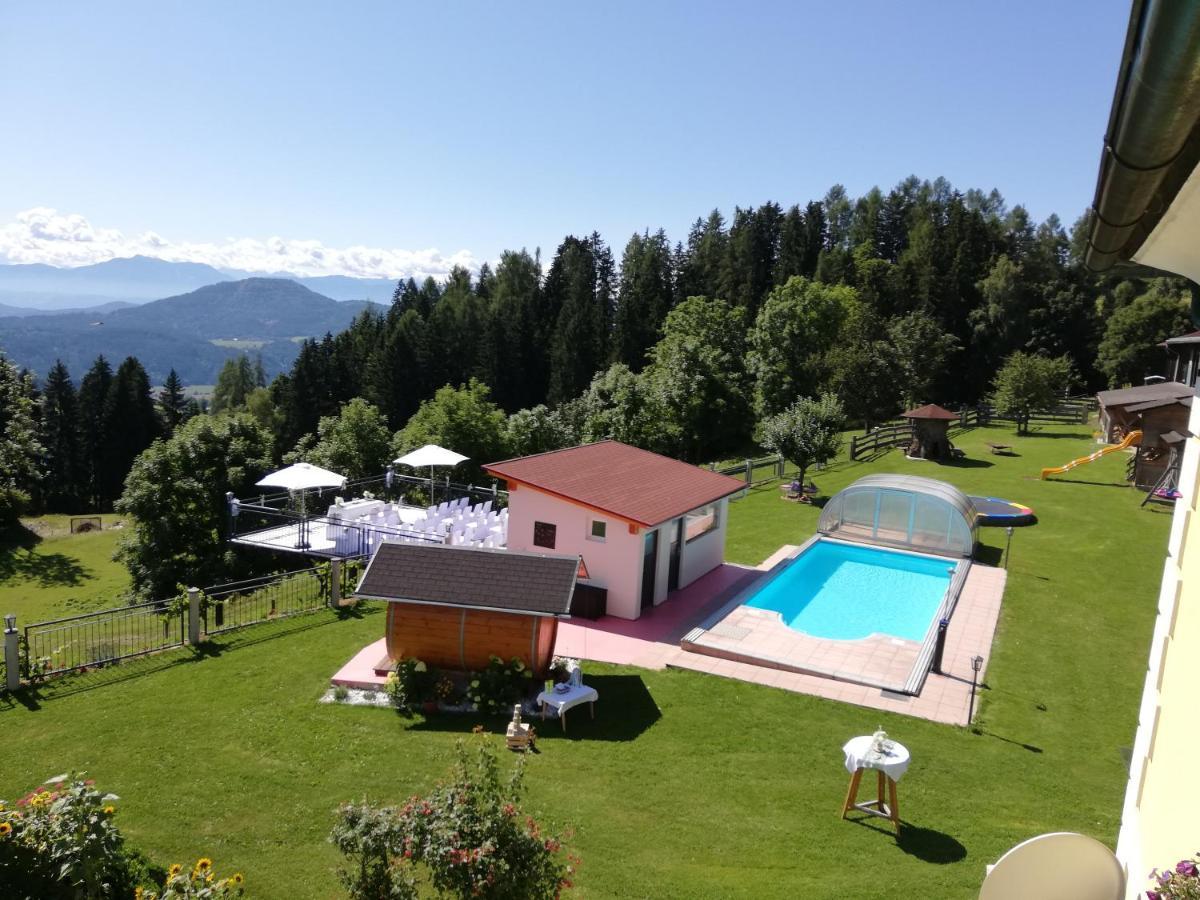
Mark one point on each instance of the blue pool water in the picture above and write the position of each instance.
(845, 592)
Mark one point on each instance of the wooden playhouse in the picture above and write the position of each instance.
(456, 607)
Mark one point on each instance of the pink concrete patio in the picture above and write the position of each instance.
(653, 642)
(654, 638)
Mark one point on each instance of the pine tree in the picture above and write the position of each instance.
(94, 429)
(61, 438)
(522, 368)
(577, 348)
(129, 406)
(644, 297)
(172, 403)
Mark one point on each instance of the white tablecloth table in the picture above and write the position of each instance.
(560, 702)
(890, 765)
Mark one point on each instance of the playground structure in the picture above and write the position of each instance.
(1133, 439)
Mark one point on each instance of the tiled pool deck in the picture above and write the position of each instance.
(654, 642)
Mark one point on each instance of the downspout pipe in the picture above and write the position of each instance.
(1152, 143)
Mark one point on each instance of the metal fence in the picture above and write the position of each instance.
(99, 638)
(226, 607)
(106, 636)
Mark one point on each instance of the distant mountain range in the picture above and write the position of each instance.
(138, 279)
(193, 332)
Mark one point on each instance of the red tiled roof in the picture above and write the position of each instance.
(930, 411)
(632, 484)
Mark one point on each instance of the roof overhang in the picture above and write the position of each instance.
(1145, 201)
(477, 608)
(515, 484)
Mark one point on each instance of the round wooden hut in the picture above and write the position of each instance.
(456, 607)
(930, 426)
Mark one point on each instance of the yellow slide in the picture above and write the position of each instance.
(1131, 440)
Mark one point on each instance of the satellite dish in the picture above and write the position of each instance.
(1053, 866)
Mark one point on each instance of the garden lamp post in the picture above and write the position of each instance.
(1008, 545)
(976, 666)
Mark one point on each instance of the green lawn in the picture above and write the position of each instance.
(47, 572)
(686, 785)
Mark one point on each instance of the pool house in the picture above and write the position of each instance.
(644, 525)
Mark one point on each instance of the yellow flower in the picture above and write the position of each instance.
(237, 878)
(175, 869)
(203, 864)
(109, 810)
(137, 893)
(5, 829)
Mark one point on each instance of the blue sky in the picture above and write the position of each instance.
(477, 127)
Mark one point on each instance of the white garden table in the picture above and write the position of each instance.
(890, 765)
(560, 702)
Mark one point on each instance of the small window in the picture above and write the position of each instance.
(700, 522)
(544, 534)
(599, 531)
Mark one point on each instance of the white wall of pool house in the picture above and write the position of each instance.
(614, 563)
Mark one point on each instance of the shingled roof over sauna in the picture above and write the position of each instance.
(472, 577)
(633, 484)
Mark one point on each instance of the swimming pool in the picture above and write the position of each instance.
(850, 591)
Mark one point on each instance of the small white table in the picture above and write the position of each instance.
(890, 766)
(560, 702)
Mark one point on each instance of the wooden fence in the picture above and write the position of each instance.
(1071, 411)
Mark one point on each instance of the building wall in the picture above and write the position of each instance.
(466, 639)
(707, 552)
(1158, 823)
(616, 563)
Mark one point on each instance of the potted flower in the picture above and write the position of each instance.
(1179, 883)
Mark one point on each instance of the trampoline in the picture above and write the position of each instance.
(998, 511)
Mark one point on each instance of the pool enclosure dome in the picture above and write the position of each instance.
(905, 511)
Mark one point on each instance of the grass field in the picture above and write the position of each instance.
(686, 785)
(46, 572)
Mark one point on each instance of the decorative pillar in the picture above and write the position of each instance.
(12, 656)
(335, 583)
(193, 616)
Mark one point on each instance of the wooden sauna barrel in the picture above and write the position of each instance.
(466, 639)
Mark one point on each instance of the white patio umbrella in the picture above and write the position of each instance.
(431, 455)
(302, 477)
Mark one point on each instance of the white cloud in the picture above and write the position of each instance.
(43, 235)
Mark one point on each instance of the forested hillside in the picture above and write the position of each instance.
(912, 295)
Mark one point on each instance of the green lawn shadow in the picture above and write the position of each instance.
(18, 560)
(624, 712)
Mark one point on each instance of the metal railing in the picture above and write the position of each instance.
(226, 607)
(288, 530)
(390, 486)
(99, 638)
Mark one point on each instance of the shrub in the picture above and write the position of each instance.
(467, 838)
(199, 883)
(1179, 883)
(60, 841)
(410, 684)
(500, 685)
